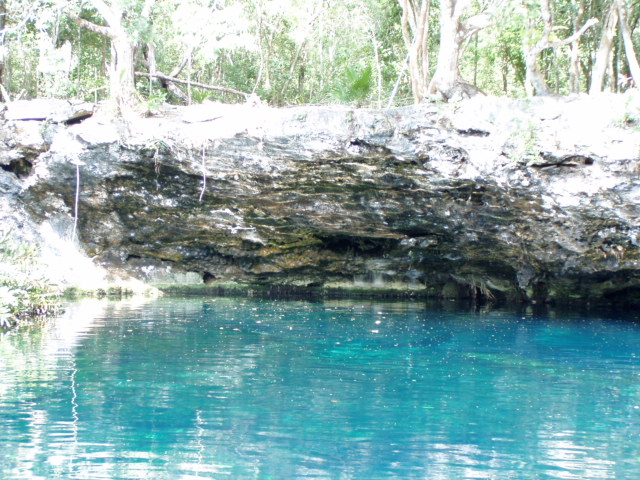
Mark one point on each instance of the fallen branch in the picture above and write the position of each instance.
(167, 78)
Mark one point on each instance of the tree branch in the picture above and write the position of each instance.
(146, 9)
(476, 23)
(92, 27)
(183, 63)
(301, 47)
(167, 78)
(107, 13)
(458, 7)
(482, 20)
(589, 23)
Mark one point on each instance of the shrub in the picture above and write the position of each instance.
(25, 292)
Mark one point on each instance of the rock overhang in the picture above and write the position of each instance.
(479, 195)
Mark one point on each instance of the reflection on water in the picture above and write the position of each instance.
(241, 389)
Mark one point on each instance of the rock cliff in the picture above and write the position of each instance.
(490, 198)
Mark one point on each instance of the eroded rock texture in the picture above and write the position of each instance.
(490, 198)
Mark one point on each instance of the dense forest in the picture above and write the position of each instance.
(363, 52)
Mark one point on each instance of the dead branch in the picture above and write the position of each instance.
(180, 81)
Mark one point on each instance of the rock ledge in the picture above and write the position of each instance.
(490, 198)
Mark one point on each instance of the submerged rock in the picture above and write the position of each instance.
(490, 198)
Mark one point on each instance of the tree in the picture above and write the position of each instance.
(536, 84)
(455, 32)
(574, 69)
(3, 25)
(193, 39)
(18, 32)
(124, 28)
(603, 55)
(311, 51)
(634, 67)
(415, 32)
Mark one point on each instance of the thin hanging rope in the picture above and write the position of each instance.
(75, 209)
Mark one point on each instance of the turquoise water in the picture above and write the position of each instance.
(243, 389)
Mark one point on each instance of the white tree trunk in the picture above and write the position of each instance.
(603, 55)
(634, 67)
(536, 84)
(415, 31)
(123, 49)
(121, 72)
(446, 74)
(3, 23)
(574, 71)
(376, 56)
(454, 34)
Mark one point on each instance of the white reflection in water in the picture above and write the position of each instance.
(43, 356)
(570, 460)
(192, 390)
(468, 461)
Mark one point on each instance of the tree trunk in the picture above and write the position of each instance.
(415, 31)
(574, 71)
(299, 54)
(446, 74)
(266, 37)
(123, 49)
(536, 84)
(505, 78)
(615, 65)
(121, 72)
(376, 57)
(3, 59)
(634, 67)
(603, 55)
(454, 35)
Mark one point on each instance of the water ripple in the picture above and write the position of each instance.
(244, 389)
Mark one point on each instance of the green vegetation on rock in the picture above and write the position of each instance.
(24, 291)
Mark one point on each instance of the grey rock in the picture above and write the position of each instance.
(49, 109)
(422, 199)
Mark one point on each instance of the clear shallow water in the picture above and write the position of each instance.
(242, 389)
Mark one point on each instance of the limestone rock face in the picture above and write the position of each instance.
(490, 198)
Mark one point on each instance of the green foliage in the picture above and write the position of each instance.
(524, 143)
(20, 67)
(153, 94)
(356, 85)
(199, 95)
(631, 118)
(91, 52)
(24, 291)
(494, 60)
(287, 51)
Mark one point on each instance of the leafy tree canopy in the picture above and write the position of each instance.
(362, 52)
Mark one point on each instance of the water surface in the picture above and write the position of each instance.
(250, 389)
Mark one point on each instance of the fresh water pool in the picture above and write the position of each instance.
(221, 388)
